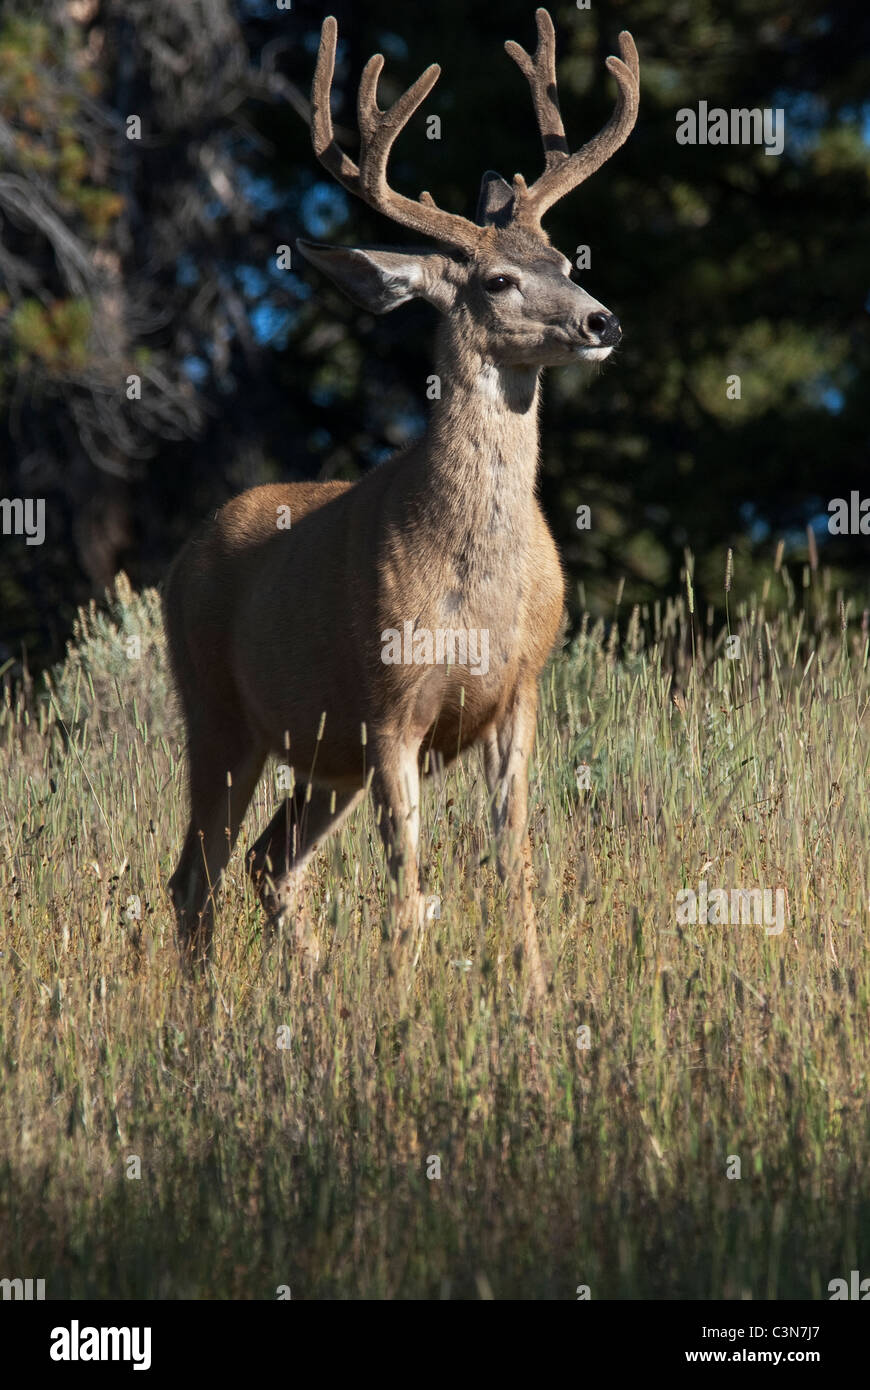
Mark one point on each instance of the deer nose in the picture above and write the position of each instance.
(602, 327)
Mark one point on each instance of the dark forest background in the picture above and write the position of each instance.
(158, 257)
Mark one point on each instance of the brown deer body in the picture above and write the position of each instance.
(277, 636)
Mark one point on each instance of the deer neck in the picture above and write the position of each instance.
(481, 461)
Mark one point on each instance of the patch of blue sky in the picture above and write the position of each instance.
(252, 279)
(196, 368)
(272, 325)
(805, 117)
(794, 536)
(300, 289)
(860, 114)
(807, 113)
(408, 424)
(818, 523)
(756, 527)
(825, 392)
(324, 208)
(186, 270)
(259, 190)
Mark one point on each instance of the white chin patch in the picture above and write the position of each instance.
(594, 354)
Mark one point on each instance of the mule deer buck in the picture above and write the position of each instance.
(277, 637)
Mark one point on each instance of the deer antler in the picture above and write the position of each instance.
(563, 171)
(378, 131)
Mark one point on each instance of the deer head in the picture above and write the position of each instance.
(506, 293)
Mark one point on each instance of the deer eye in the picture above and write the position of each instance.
(496, 283)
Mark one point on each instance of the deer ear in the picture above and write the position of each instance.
(379, 280)
(496, 201)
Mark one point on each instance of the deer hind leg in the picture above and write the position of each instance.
(396, 792)
(223, 775)
(278, 860)
(506, 758)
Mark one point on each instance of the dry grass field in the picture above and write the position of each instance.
(287, 1111)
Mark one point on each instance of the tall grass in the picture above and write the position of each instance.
(567, 1157)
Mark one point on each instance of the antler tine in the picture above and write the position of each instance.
(564, 172)
(331, 156)
(378, 129)
(378, 132)
(540, 73)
